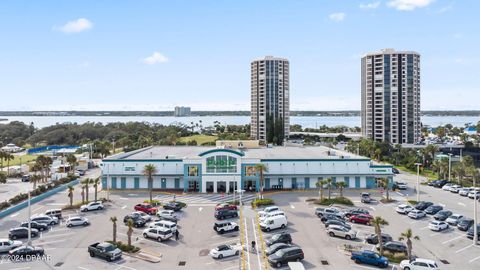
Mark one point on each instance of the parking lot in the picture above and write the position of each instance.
(67, 247)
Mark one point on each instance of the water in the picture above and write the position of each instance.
(304, 121)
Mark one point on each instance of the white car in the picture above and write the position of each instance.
(144, 215)
(447, 186)
(77, 221)
(474, 194)
(223, 251)
(401, 185)
(7, 245)
(418, 264)
(98, 205)
(166, 213)
(416, 214)
(163, 224)
(404, 209)
(455, 188)
(453, 219)
(337, 230)
(161, 234)
(438, 226)
(268, 210)
(272, 214)
(464, 191)
(44, 219)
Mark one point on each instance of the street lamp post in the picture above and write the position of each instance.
(418, 180)
(475, 225)
(449, 166)
(29, 221)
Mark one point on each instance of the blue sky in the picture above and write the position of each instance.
(153, 55)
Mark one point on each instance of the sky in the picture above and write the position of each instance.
(154, 55)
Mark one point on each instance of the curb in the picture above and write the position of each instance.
(150, 258)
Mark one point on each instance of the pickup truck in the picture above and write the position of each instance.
(330, 210)
(369, 257)
(105, 250)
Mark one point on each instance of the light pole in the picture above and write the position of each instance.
(29, 222)
(418, 180)
(475, 226)
(108, 182)
(449, 167)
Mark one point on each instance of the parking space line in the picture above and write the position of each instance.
(258, 245)
(51, 242)
(16, 214)
(443, 243)
(35, 210)
(462, 204)
(247, 243)
(124, 266)
(21, 268)
(474, 259)
(462, 249)
(83, 268)
(292, 206)
(56, 235)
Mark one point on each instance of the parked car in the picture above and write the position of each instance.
(474, 194)
(470, 232)
(138, 221)
(77, 221)
(273, 223)
(164, 224)
(225, 206)
(442, 215)
(422, 205)
(464, 224)
(395, 247)
(338, 223)
(447, 186)
(276, 247)
(35, 225)
(286, 255)
(326, 217)
(166, 213)
(401, 185)
(105, 251)
(146, 208)
(272, 214)
(268, 209)
(175, 206)
(395, 171)
(440, 183)
(369, 257)
(373, 238)
(455, 188)
(167, 218)
(159, 233)
(433, 209)
(279, 238)
(43, 219)
(329, 211)
(21, 252)
(7, 245)
(356, 211)
(54, 212)
(21, 232)
(335, 230)
(464, 191)
(144, 215)
(26, 178)
(453, 219)
(365, 197)
(223, 251)
(223, 214)
(92, 206)
(416, 214)
(438, 226)
(404, 208)
(418, 264)
(362, 219)
(225, 226)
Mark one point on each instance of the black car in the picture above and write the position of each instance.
(337, 222)
(395, 171)
(138, 221)
(355, 211)
(21, 232)
(422, 205)
(279, 238)
(326, 217)
(167, 218)
(35, 225)
(395, 247)
(433, 209)
(440, 183)
(222, 214)
(276, 247)
(373, 238)
(26, 178)
(286, 255)
(470, 232)
(464, 224)
(21, 252)
(175, 206)
(442, 215)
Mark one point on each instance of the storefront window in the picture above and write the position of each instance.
(192, 170)
(221, 164)
(250, 171)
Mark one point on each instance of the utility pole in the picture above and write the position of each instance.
(113, 144)
(475, 225)
(418, 180)
(449, 167)
(29, 243)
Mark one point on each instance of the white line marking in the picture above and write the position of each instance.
(474, 259)
(462, 204)
(256, 241)
(442, 205)
(401, 194)
(83, 268)
(123, 207)
(291, 206)
(124, 266)
(125, 199)
(16, 214)
(443, 243)
(51, 242)
(57, 235)
(200, 209)
(248, 243)
(22, 268)
(462, 249)
(373, 208)
(55, 204)
(38, 208)
(233, 267)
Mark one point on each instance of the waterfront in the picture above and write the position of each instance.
(304, 121)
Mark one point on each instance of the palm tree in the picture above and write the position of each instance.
(96, 182)
(130, 231)
(72, 160)
(341, 186)
(83, 194)
(329, 182)
(34, 179)
(378, 222)
(8, 157)
(149, 170)
(114, 221)
(320, 184)
(85, 183)
(408, 235)
(3, 178)
(384, 182)
(261, 169)
(70, 194)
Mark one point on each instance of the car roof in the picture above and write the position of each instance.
(425, 260)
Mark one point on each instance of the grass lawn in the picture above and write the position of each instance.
(16, 160)
(199, 138)
(427, 173)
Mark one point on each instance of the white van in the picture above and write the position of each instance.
(164, 224)
(272, 223)
(272, 214)
(268, 210)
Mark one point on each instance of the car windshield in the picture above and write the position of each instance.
(276, 237)
(280, 253)
(109, 248)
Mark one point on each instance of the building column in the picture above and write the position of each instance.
(214, 186)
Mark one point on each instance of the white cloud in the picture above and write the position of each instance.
(76, 26)
(372, 5)
(407, 5)
(155, 58)
(337, 17)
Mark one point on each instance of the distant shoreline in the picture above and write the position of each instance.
(213, 113)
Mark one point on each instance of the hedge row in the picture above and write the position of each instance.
(262, 202)
(336, 200)
(125, 247)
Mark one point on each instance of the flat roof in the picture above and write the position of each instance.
(264, 153)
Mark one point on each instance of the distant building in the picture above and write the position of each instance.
(470, 130)
(181, 111)
(390, 83)
(270, 99)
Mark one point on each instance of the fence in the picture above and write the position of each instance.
(36, 199)
(50, 148)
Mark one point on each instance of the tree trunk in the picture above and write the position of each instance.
(329, 191)
(8, 167)
(114, 232)
(409, 249)
(86, 192)
(96, 188)
(129, 234)
(261, 184)
(341, 191)
(71, 199)
(150, 187)
(378, 231)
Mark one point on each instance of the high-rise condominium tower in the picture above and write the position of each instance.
(391, 96)
(270, 99)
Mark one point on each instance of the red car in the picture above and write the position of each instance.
(146, 208)
(362, 218)
(225, 206)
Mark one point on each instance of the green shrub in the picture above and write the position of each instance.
(395, 257)
(182, 204)
(336, 200)
(412, 202)
(236, 202)
(125, 247)
(153, 202)
(4, 205)
(262, 202)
